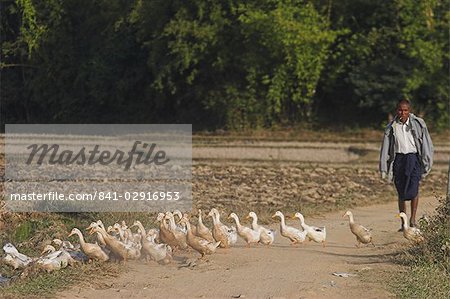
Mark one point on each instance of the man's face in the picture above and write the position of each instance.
(403, 112)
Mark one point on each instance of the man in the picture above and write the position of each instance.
(406, 156)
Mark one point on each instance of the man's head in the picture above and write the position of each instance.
(403, 110)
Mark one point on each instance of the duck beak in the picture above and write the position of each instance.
(273, 216)
(397, 216)
(343, 216)
(71, 234)
(248, 217)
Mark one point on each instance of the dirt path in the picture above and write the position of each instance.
(279, 271)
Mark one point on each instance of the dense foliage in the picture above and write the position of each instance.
(223, 64)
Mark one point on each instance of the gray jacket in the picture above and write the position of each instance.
(422, 140)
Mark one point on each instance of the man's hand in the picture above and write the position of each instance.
(383, 175)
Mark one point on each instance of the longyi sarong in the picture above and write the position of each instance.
(407, 175)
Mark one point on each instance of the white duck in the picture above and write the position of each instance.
(293, 234)
(54, 260)
(249, 235)
(314, 233)
(14, 258)
(226, 235)
(267, 235)
(411, 233)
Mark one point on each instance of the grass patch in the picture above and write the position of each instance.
(30, 232)
(424, 280)
(45, 285)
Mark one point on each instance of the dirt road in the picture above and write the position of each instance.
(279, 271)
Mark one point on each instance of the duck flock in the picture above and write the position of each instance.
(120, 242)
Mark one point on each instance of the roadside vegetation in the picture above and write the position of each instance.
(427, 272)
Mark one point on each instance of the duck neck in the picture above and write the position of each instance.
(163, 224)
(405, 222)
(351, 218)
(100, 238)
(173, 226)
(254, 222)
(103, 233)
(200, 220)
(236, 219)
(216, 218)
(80, 235)
(302, 220)
(282, 223)
(188, 228)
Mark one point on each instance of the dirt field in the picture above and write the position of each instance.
(321, 180)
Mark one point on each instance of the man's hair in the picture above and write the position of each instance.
(404, 101)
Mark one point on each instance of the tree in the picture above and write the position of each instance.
(251, 64)
(391, 50)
